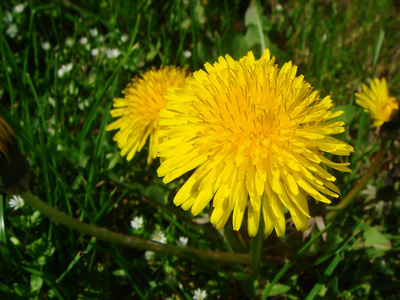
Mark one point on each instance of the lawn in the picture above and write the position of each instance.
(63, 62)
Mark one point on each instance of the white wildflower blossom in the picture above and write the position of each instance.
(64, 69)
(187, 53)
(149, 255)
(7, 18)
(16, 202)
(182, 242)
(159, 237)
(19, 8)
(83, 104)
(94, 52)
(68, 67)
(137, 222)
(12, 30)
(69, 42)
(112, 53)
(199, 294)
(124, 38)
(93, 32)
(278, 7)
(83, 41)
(50, 130)
(46, 45)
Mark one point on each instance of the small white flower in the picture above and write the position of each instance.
(7, 17)
(69, 42)
(94, 52)
(52, 102)
(124, 38)
(93, 32)
(16, 202)
(46, 45)
(83, 41)
(182, 242)
(19, 8)
(112, 53)
(64, 69)
(12, 30)
(50, 130)
(278, 7)
(149, 255)
(102, 38)
(159, 237)
(137, 222)
(187, 53)
(199, 294)
(68, 67)
(83, 104)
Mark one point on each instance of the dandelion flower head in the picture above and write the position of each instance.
(137, 112)
(376, 100)
(255, 136)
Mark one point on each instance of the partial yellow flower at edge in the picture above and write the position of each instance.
(376, 101)
(255, 136)
(138, 112)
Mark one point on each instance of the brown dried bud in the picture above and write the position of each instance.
(14, 170)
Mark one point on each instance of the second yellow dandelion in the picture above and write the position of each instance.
(375, 100)
(137, 112)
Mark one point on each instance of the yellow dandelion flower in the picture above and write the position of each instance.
(137, 112)
(255, 136)
(376, 100)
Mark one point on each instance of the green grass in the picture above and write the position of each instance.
(60, 125)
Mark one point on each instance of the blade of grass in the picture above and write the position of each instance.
(193, 26)
(256, 247)
(127, 266)
(38, 103)
(4, 247)
(100, 94)
(76, 259)
(377, 51)
(268, 288)
(3, 45)
(328, 272)
(345, 246)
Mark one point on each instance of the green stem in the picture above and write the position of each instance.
(256, 247)
(267, 291)
(351, 196)
(134, 242)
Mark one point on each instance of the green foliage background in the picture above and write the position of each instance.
(60, 124)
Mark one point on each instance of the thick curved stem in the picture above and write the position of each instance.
(351, 196)
(133, 242)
